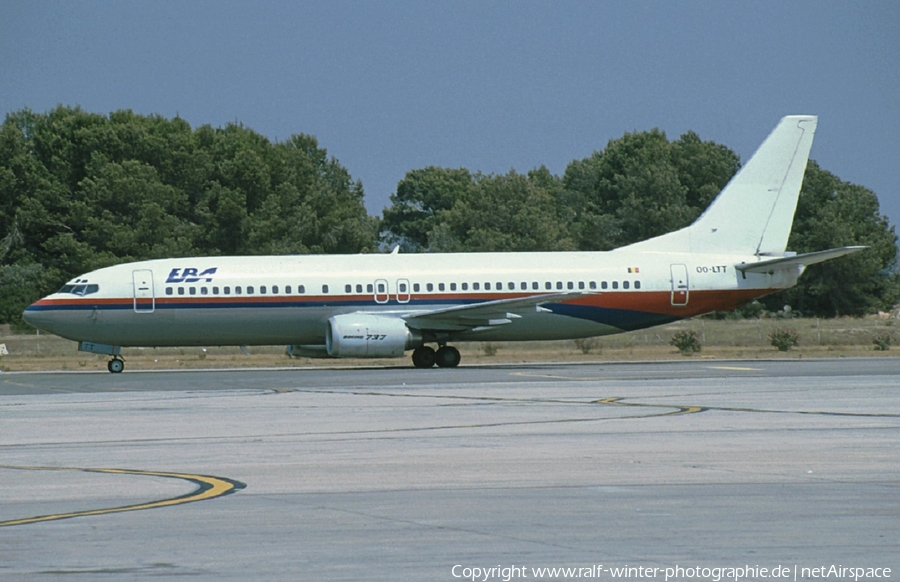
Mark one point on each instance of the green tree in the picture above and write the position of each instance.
(641, 186)
(421, 195)
(20, 284)
(511, 212)
(316, 206)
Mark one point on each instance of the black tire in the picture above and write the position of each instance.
(423, 357)
(448, 357)
(115, 366)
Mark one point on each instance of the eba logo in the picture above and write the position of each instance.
(190, 275)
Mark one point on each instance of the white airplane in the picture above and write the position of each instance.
(373, 306)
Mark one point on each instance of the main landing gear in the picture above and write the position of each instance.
(444, 357)
(116, 365)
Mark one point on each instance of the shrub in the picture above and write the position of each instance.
(687, 342)
(587, 344)
(882, 342)
(489, 349)
(784, 339)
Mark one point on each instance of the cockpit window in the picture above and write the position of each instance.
(80, 289)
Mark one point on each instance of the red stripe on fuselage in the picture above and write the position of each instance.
(699, 301)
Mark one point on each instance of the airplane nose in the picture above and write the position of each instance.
(28, 315)
(35, 316)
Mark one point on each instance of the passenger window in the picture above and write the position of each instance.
(523, 286)
(274, 289)
(402, 287)
(226, 290)
(581, 284)
(301, 289)
(626, 285)
(604, 285)
(511, 286)
(204, 291)
(429, 287)
(237, 290)
(559, 285)
(465, 286)
(287, 289)
(535, 286)
(440, 286)
(637, 284)
(250, 290)
(593, 284)
(381, 287)
(570, 285)
(193, 291)
(416, 287)
(168, 290)
(548, 285)
(348, 288)
(215, 290)
(181, 290)
(487, 286)
(262, 289)
(499, 286)
(359, 288)
(476, 286)
(453, 286)
(615, 284)
(324, 289)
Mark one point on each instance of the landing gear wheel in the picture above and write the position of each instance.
(423, 357)
(447, 357)
(115, 365)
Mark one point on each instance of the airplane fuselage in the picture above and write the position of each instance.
(288, 299)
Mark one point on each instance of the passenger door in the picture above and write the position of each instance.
(680, 288)
(144, 297)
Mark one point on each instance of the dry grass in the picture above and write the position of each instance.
(741, 339)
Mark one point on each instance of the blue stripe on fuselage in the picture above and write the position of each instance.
(624, 319)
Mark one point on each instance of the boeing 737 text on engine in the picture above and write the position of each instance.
(374, 306)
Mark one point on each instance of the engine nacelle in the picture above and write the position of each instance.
(362, 335)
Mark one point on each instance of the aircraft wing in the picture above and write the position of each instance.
(804, 260)
(482, 315)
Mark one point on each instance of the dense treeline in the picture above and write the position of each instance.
(79, 191)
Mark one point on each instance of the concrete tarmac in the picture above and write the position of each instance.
(406, 474)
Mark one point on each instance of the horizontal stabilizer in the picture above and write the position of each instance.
(792, 262)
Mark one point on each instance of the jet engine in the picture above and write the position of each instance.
(362, 335)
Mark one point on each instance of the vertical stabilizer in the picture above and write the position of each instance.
(754, 212)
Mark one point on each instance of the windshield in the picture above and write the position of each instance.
(80, 289)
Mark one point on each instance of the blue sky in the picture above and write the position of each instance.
(389, 87)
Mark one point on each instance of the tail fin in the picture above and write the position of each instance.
(754, 212)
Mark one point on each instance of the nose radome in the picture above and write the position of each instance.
(36, 317)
